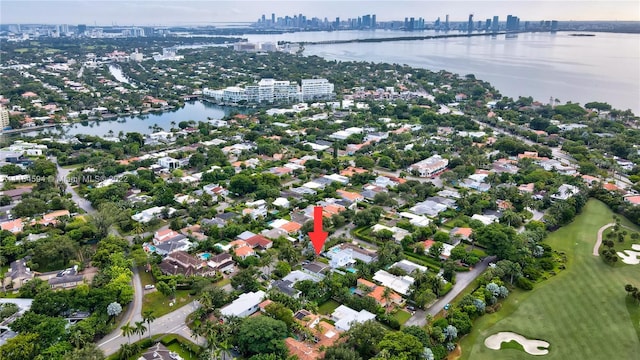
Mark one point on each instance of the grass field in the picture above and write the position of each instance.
(160, 304)
(402, 316)
(327, 307)
(146, 278)
(619, 246)
(582, 312)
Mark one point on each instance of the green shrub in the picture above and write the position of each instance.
(524, 283)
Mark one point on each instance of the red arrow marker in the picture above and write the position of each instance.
(318, 237)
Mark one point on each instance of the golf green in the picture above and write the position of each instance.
(581, 312)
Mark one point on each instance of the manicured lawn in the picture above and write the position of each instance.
(328, 307)
(619, 246)
(402, 316)
(159, 303)
(223, 282)
(182, 351)
(146, 278)
(581, 312)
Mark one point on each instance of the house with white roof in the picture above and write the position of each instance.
(244, 305)
(484, 219)
(565, 191)
(344, 317)
(399, 284)
(147, 215)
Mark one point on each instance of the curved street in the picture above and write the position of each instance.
(172, 323)
(463, 279)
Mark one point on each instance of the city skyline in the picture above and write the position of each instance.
(172, 12)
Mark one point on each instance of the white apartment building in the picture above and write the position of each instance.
(316, 89)
(430, 166)
(271, 90)
(4, 118)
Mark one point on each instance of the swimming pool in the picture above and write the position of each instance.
(205, 256)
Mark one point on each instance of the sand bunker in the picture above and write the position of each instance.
(530, 346)
(631, 257)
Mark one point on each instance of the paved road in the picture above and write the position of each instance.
(172, 323)
(463, 279)
(82, 203)
(134, 310)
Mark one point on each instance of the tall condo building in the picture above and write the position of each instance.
(316, 89)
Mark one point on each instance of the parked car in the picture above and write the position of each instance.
(149, 287)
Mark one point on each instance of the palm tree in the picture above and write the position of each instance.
(140, 328)
(127, 351)
(148, 317)
(77, 339)
(386, 295)
(127, 330)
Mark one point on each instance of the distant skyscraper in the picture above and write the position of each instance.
(4, 117)
(487, 25)
(446, 22)
(337, 23)
(373, 21)
(264, 19)
(82, 28)
(273, 18)
(470, 23)
(495, 25)
(554, 25)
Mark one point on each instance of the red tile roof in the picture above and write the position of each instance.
(259, 240)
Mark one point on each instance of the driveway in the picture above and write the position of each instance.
(463, 279)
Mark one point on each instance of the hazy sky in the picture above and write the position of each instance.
(172, 12)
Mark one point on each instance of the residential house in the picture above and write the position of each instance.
(241, 249)
(565, 191)
(260, 242)
(52, 217)
(409, 266)
(286, 287)
(527, 188)
(183, 263)
(222, 263)
(398, 233)
(344, 316)
(325, 335)
(245, 305)
(484, 219)
(65, 279)
(161, 236)
(339, 258)
(152, 213)
(460, 233)
(416, 220)
(632, 199)
(16, 194)
(18, 274)
(158, 352)
(400, 284)
(281, 202)
(351, 197)
(315, 268)
(168, 163)
(428, 208)
(179, 243)
(13, 226)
